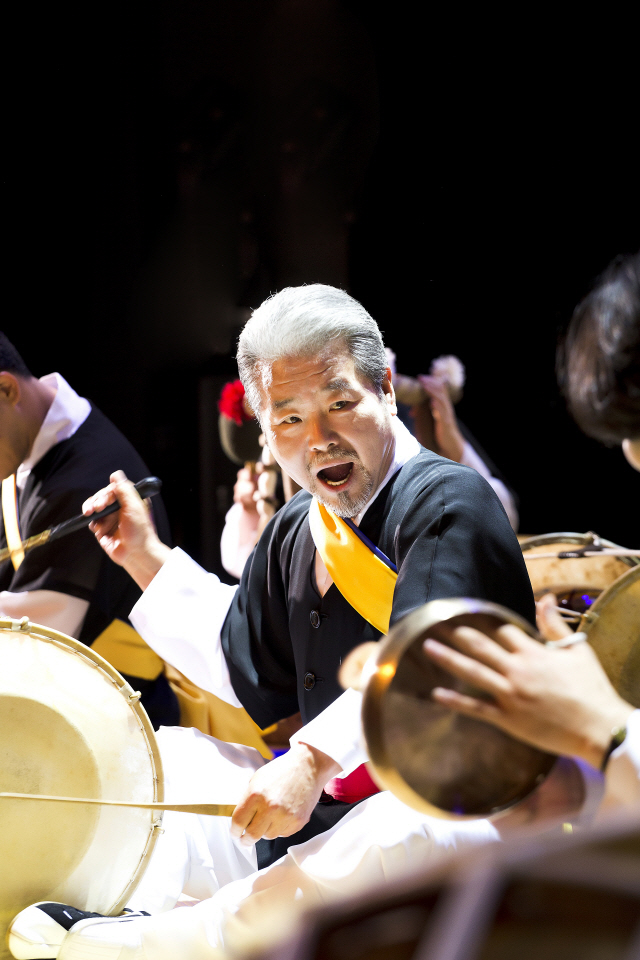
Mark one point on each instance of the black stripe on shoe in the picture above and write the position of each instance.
(65, 915)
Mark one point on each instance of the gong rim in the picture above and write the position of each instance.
(415, 626)
(594, 619)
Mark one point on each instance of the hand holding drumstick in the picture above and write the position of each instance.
(128, 537)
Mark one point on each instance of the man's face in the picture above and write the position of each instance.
(14, 438)
(329, 429)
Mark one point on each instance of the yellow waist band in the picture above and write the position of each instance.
(127, 652)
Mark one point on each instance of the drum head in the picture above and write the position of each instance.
(588, 575)
(68, 728)
(613, 628)
(434, 759)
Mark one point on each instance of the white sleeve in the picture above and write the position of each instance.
(49, 608)
(180, 615)
(238, 538)
(337, 731)
(471, 459)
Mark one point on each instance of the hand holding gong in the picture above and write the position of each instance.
(559, 700)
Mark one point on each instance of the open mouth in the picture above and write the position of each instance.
(337, 475)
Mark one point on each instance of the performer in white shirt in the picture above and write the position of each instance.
(55, 449)
(313, 365)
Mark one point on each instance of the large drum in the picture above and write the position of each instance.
(70, 725)
(576, 581)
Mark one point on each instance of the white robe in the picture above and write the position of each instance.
(381, 839)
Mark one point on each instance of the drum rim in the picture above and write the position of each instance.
(391, 649)
(578, 538)
(49, 635)
(610, 593)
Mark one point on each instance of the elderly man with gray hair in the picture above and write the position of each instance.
(380, 527)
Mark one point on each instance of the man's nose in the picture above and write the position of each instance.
(321, 435)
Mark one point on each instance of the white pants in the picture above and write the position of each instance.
(380, 839)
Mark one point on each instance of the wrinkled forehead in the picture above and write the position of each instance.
(296, 375)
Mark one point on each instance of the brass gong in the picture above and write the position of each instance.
(432, 758)
(612, 626)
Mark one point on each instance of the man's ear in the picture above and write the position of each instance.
(631, 450)
(10, 390)
(389, 392)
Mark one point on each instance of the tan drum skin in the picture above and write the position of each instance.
(612, 626)
(70, 725)
(556, 575)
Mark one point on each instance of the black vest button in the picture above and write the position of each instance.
(309, 681)
(314, 617)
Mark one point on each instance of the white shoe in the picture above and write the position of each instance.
(39, 932)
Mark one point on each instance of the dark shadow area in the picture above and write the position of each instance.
(172, 164)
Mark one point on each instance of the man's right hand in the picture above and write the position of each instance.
(128, 537)
(281, 795)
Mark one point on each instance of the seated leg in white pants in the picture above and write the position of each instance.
(378, 840)
(197, 855)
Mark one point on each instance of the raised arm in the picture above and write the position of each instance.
(128, 537)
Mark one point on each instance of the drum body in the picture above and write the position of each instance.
(579, 575)
(612, 626)
(71, 726)
(432, 758)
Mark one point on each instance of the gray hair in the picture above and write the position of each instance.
(302, 321)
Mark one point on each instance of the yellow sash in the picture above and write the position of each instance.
(10, 517)
(201, 709)
(125, 650)
(363, 579)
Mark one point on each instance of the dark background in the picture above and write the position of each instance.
(466, 176)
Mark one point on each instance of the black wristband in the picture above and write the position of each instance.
(618, 735)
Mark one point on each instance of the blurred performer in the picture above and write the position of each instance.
(261, 487)
(55, 449)
(433, 421)
(559, 698)
(314, 366)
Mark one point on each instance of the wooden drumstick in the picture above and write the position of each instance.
(205, 809)
(579, 555)
(148, 487)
